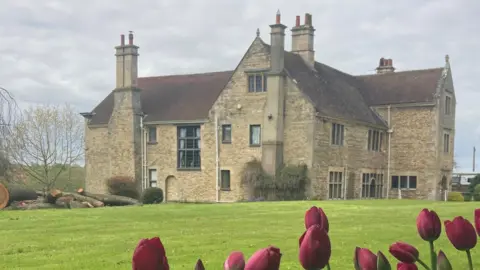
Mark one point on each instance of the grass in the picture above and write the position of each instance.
(104, 238)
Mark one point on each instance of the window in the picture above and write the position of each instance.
(375, 139)
(226, 133)
(372, 185)
(337, 134)
(225, 180)
(257, 83)
(448, 105)
(152, 134)
(446, 143)
(152, 177)
(255, 135)
(335, 187)
(189, 147)
(405, 182)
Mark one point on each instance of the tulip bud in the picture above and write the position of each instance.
(364, 259)
(477, 220)
(404, 252)
(235, 261)
(382, 262)
(150, 253)
(315, 249)
(442, 262)
(315, 215)
(265, 259)
(199, 265)
(406, 266)
(461, 233)
(429, 225)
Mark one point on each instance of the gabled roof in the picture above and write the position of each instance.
(413, 86)
(172, 98)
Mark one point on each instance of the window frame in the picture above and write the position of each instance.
(446, 143)
(374, 140)
(366, 185)
(398, 178)
(337, 134)
(150, 180)
(250, 135)
(222, 174)
(152, 130)
(448, 105)
(335, 181)
(224, 139)
(252, 83)
(196, 152)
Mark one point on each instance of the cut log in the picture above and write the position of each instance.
(4, 196)
(93, 201)
(111, 200)
(77, 204)
(64, 201)
(31, 206)
(53, 195)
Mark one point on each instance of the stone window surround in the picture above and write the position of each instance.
(184, 150)
(446, 142)
(399, 177)
(255, 73)
(337, 134)
(250, 135)
(374, 143)
(222, 170)
(224, 139)
(336, 172)
(150, 178)
(150, 131)
(448, 105)
(379, 183)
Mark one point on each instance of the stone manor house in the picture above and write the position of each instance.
(381, 135)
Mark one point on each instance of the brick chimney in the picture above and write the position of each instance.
(303, 39)
(385, 66)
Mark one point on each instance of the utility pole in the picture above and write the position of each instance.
(474, 150)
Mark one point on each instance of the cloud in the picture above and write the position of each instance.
(62, 51)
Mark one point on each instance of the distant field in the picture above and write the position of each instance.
(104, 238)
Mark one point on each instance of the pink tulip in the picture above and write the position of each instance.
(315, 215)
(461, 233)
(265, 259)
(315, 249)
(235, 261)
(150, 255)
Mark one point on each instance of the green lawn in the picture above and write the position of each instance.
(104, 238)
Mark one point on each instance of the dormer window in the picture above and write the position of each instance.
(257, 83)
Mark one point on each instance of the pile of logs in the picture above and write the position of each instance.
(22, 198)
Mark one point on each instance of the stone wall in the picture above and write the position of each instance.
(97, 162)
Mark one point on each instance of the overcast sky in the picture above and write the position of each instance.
(62, 51)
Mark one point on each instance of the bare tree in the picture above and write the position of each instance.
(47, 141)
(9, 113)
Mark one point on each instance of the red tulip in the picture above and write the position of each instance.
(150, 255)
(315, 249)
(265, 259)
(364, 259)
(461, 233)
(199, 265)
(428, 225)
(315, 215)
(235, 261)
(477, 220)
(404, 252)
(406, 266)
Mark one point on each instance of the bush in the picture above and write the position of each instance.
(476, 193)
(455, 197)
(152, 195)
(467, 197)
(123, 186)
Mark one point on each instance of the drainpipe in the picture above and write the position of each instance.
(389, 132)
(345, 173)
(143, 153)
(217, 179)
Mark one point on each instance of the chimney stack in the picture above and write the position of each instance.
(385, 66)
(127, 61)
(303, 39)
(277, 40)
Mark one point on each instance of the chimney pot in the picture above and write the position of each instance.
(297, 21)
(130, 38)
(308, 19)
(122, 39)
(382, 62)
(277, 19)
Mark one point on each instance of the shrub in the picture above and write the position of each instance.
(467, 197)
(455, 197)
(476, 193)
(123, 186)
(152, 195)
(474, 181)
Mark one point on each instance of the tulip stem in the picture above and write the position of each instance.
(328, 265)
(433, 256)
(469, 256)
(424, 265)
